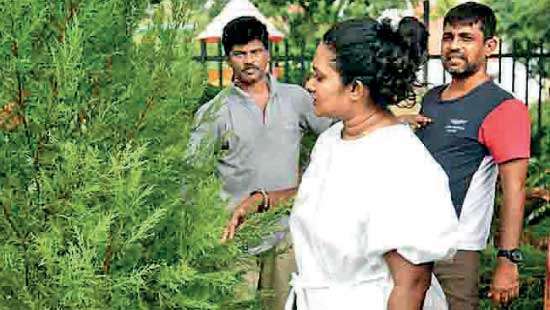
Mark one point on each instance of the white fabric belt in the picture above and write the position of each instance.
(299, 287)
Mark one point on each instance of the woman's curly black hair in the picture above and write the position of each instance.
(383, 59)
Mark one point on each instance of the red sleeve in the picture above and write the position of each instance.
(506, 131)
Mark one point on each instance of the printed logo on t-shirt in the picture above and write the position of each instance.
(455, 125)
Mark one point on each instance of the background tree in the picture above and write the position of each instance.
(311, 19)
(93, 128)
(304, 21)
(526, 23)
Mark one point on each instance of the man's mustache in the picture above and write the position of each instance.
(250, 67)
(454, 55)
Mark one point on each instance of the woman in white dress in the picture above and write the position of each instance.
(373, 210)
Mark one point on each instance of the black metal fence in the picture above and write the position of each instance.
(514, 69)
(525, 69)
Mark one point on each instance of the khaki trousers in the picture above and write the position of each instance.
(269, 274)
(459, 279)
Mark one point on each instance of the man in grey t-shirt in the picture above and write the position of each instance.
(261, 145)
(259, 123)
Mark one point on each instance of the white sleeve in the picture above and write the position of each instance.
(416, 216)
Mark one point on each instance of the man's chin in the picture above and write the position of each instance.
(250, 79)
(454, 69)
(459, 73)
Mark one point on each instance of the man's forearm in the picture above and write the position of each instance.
(276, 197)
(511, 219)
(513, 176)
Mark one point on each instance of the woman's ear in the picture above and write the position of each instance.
(358, 90)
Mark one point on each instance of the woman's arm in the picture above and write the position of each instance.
(250, 205)
(410, 282)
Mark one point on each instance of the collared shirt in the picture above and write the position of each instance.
(258, 152)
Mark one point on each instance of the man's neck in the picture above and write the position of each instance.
(460, 87)
(258, 92)
(256, 88)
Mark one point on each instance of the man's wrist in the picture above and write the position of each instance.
(514, 255)
(504, 262)
(263, 198)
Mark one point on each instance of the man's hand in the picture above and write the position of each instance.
(246, 206)
(505, 283)
(250, 205)
(415, 121)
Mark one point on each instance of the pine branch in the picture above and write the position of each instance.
(7, 216)
(72, 12)
(150, 103)
(20, 103)
(108, 254)
(22, 240)
(27, 269)
(20, 99)
(28, 134)
(85, 174)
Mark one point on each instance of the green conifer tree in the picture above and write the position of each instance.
(93, 132)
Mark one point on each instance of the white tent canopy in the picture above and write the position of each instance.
(234, 9)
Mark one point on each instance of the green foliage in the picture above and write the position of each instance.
(525, 22)
(259, 225)
(308, 19)
(441, 8)
(93, 132)
(538, 208)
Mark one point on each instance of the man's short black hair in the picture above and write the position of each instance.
(473, 12)
(241, 31)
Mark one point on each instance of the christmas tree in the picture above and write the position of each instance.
(94, 125)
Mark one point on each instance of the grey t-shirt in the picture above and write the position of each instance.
(258, 153)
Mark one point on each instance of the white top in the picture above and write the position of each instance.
(359, 199)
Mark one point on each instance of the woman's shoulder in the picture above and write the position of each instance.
(406, 151)
(394, 138)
